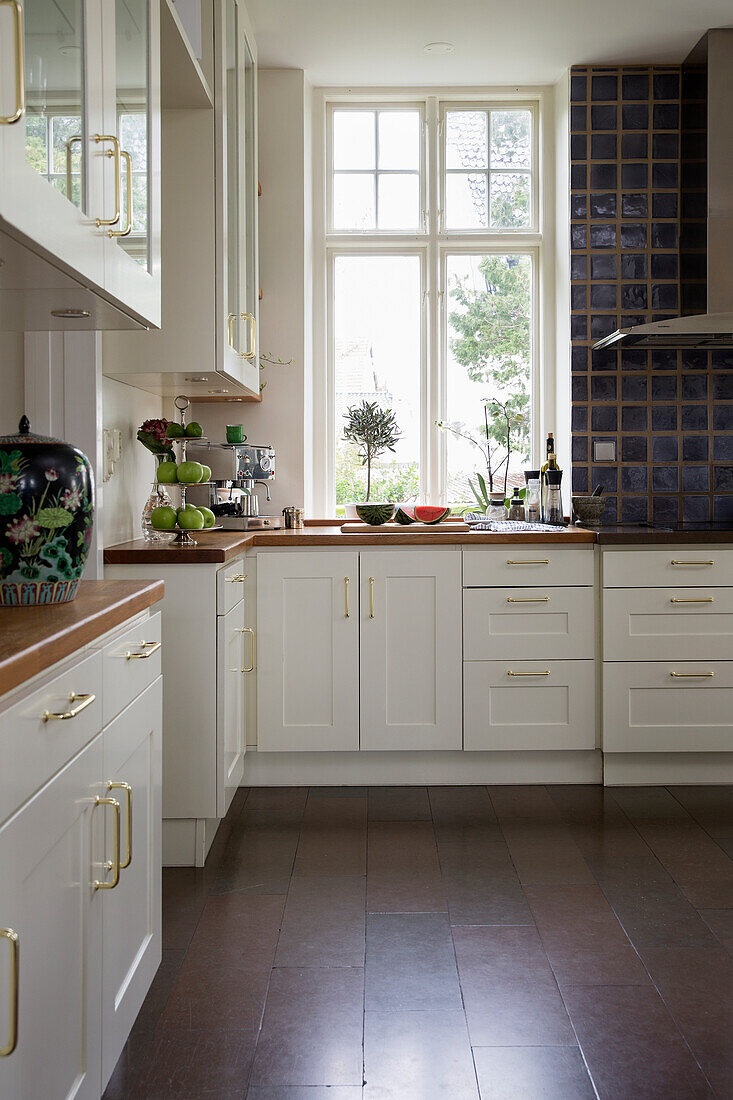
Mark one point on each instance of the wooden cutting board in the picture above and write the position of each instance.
(356, 527)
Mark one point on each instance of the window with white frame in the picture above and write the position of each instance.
(432, 246)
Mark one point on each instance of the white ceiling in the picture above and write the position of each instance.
(380, 42)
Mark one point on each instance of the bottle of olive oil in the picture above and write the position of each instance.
(550, 464)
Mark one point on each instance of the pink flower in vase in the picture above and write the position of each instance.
(51, 474)
(23, 529)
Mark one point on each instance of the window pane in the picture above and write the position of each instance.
(510, 200)
(489, 322)
(399, 139)
(466, 201)
(465, 139)
(511, 139)
(399, 202)
(353, 201)
(134, 138)
(35, 143)
(353, 139)
(377, 356)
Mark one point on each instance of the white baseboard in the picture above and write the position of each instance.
(638, 769)
(187, 840)
(275, 769)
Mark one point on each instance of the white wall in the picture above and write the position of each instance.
(12, 384)
(285, 266)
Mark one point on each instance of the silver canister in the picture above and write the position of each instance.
(293, 518)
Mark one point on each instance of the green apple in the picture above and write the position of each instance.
(207, 472)
(189, 473)
(209, 517)
(163, 518)
(167, 473)
(191, 520)
(194, 429)
(174, 431)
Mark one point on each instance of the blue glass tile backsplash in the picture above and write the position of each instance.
(670, 413)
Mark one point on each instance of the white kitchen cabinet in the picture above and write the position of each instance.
(514, 623)
(655, 624)
(235, 662)
(539, 704)
(85, 144)
(308, 651)
(410, 655)
(131, 917)
(51, 851)
(517, 565)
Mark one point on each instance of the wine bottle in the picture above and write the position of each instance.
(550, 464)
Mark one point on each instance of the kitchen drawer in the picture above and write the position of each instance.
(33, 750)
(130, 663)
(520, 565)
(529, 705)
(647, 709)
(657, 624)
(230, 582)
(527, 623)
(663, 568)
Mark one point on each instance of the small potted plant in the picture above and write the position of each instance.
(373, 430)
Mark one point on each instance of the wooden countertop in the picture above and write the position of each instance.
(34, 638)
(221, 546)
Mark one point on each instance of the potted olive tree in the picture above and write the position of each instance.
(373, 431)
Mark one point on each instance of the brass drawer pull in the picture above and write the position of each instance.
(250, 631)
(148, 648)
(537, 561)
(18, 48)
(113, 864)
(118, 785)
(371, 597)
(692, 675)
(240, 578)
(674, 561)
(128, 175)
(702, 599)
(113, 152)
(529, 599)
(346, 597)
(86, 700)
(545, 672)
(252, 336)
(12, 938)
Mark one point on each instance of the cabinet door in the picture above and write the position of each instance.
(50, 853)
(51, 169)
(249, 244)
(132, 113)
(234, 655)
(132, 911)
(411, 649)
(307, 651)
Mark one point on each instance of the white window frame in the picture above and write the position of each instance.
(433, 244)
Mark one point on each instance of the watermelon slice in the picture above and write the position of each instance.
(430, 513)
(405, 514)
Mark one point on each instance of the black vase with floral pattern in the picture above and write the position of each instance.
(46, 518)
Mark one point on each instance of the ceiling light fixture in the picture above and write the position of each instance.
(439, 47)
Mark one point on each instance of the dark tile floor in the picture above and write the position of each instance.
(450, 943)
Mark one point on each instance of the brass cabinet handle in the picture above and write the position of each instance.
(18, 46)
(703, 599)
(118, 785)
(371, 597)
(13, 942)
(240, 578)
(231, 318)
(250, 631)
(128, 175)
(692, 675)
(545, 672)
(69, 145)
(674, 561)
(529, 599)
(148, 649)
(86, 700)
(113, 864)
(113, 152)
(252, 342)
(346, 597)
(537, 561)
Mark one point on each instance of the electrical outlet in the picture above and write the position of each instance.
(111, 451)
(604, 450)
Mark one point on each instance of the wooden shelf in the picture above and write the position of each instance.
(183, 85)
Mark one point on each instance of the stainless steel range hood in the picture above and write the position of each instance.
(713, 329)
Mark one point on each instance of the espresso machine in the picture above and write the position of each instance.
(237, 469)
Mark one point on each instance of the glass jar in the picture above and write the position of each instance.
(496, 510)
(516, 507)
(158, 498)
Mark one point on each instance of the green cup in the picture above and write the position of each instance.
(235, 433)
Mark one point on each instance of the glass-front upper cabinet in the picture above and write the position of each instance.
(236, 155)
(79, 124)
